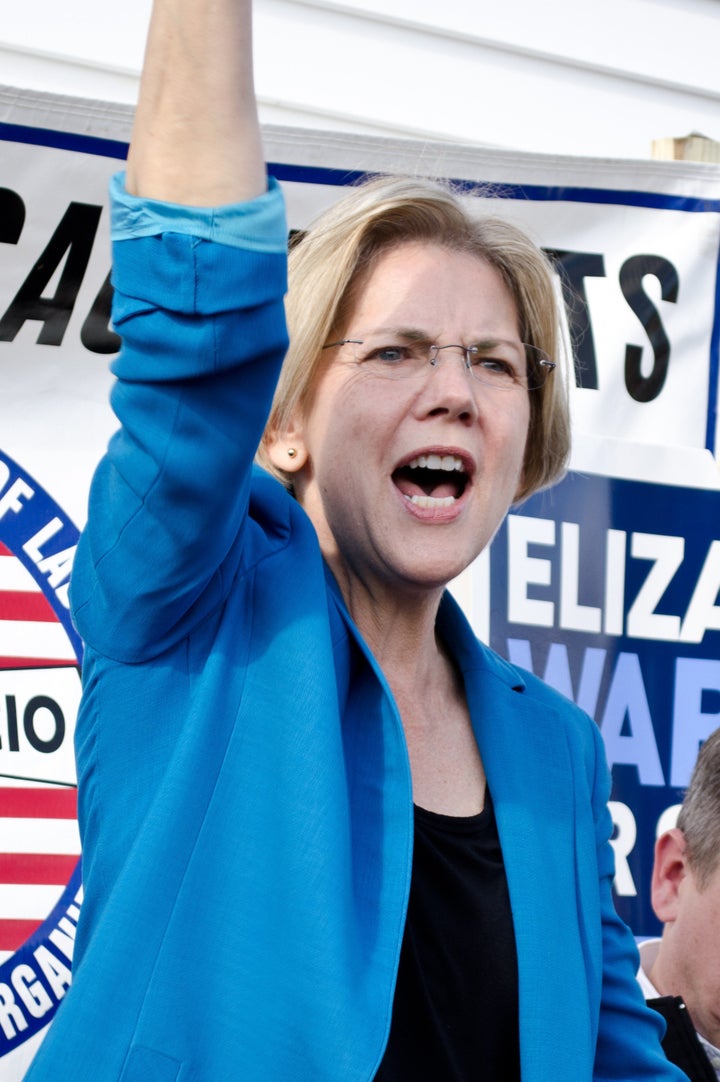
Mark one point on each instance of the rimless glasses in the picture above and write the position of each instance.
(496, 363)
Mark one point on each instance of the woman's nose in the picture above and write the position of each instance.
(450, 386)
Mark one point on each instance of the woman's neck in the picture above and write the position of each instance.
(447, 770)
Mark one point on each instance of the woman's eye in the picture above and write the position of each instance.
(497, 366)
(388, 354)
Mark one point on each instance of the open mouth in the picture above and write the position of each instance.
(432, 481)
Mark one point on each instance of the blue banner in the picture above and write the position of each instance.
(608, 590)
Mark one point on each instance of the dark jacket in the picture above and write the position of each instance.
(681, 1043)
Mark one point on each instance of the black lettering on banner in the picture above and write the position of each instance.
(74, 235)
(12, 723)
(646, 388)
(42, 702)
(574, 268)
(96, 334)
(12, 216)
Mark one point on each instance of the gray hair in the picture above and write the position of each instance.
(699, 817)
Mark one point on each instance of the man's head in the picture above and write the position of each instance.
(699, 818)
(685, 896)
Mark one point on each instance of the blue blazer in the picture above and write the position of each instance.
(245, 793)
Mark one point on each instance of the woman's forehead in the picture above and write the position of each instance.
(428, 289)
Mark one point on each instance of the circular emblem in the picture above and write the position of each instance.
(40, 654)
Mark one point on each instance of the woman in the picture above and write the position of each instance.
(273, 680)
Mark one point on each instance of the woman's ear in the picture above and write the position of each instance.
(286, 450)
(669, 870)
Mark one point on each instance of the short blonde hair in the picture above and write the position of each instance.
(331, 261)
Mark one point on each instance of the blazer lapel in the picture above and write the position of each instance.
(529, 770)
(525, 751)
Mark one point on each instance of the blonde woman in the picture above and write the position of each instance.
(327, 835)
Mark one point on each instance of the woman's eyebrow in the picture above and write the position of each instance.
(409, 334)
(494, 343)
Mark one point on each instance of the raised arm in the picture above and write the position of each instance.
(196, 137)
(198, 303)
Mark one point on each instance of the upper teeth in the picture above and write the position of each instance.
(437, 462)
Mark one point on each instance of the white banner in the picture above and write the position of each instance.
(636, 245)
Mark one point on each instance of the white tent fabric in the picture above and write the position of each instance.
(560, 77)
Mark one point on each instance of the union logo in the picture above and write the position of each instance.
(40, 654)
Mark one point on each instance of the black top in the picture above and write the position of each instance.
(455, 1015)
(680, 1042)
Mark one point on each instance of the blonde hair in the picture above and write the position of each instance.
(331, 261)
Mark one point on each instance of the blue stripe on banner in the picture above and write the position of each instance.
(314, 174)
(47, 137)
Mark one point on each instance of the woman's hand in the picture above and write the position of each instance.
(196, 136)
